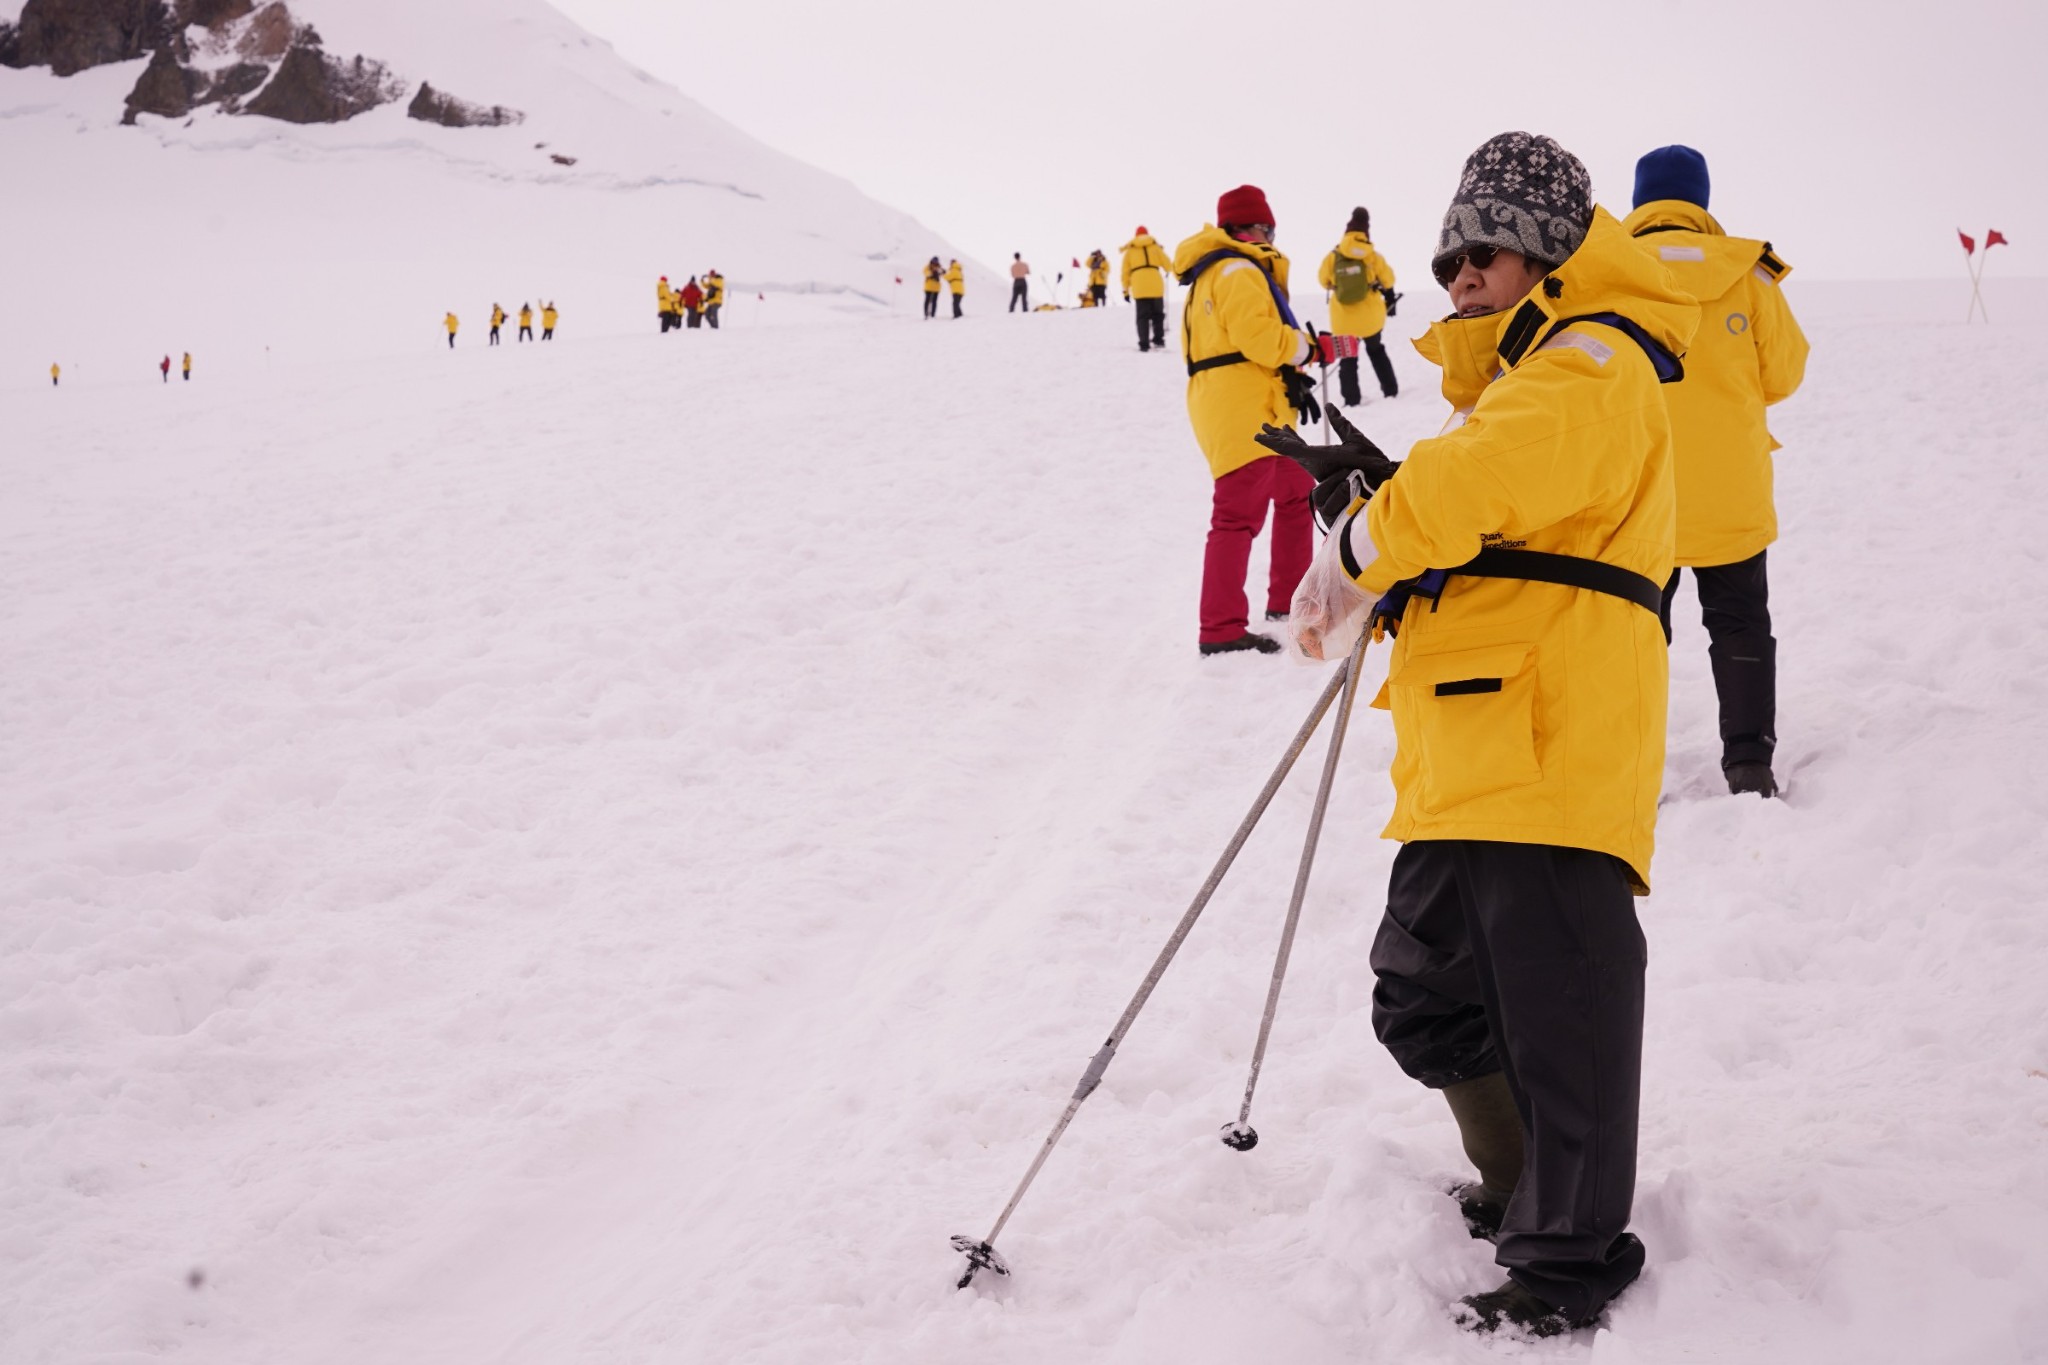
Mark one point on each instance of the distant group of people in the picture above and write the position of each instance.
(499, 317)
(950, 276)
(694, 305)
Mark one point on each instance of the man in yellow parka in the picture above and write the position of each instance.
(1144, 282)
(1098, 278)
(665, 299)
(1242, 343)
(957, 282)
(526, 322)
(714, 297)
(1361, 288)
(547, 321)
(934, 276)
(55, 370)
(497, 321)
(1521, 554)
(1749, 354)
(451, 322)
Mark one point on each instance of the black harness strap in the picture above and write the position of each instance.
(1216, 362)
(1567, 571)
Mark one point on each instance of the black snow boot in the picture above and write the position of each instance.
(1491, 1128)
(1744, 778)
(1276, 616)
(1515, 1308)
(1264, 644)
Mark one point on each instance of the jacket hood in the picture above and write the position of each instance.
(1213, 238)
(1669, 226)
(1142, 239)
(1609, 273)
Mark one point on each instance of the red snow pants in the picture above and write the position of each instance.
(1235, 519)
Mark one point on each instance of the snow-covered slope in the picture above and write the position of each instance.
(525, 869)
(246, 240)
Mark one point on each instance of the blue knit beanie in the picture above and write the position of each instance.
(1674, 172)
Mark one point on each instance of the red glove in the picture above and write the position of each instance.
(1326, 347)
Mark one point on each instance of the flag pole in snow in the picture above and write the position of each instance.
(982, 1255)
(1239, 1135)
(1970, 268)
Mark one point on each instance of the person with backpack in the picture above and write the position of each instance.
(547, 321)
(714, 297)
(957, 282)
(1519, 557)
(1098, 277)
(690, 298)
(1750, 354)
(934, 277)
(165, 369)
(1361, 295)
(1242, 347)
(1020, 283)
(497, 321)
(1144, 283)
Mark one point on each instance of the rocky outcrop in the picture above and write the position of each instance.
(166, 89)
(312, 87)
(70, 36)
(213, 13)
(438, 106)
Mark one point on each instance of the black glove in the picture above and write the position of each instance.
(1391, 297)
(1352, 467)
(1301, 395)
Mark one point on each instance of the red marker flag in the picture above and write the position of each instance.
(899, 278)
(762, 297)
(1995, 238)
(1077, 262)
(1969, 244)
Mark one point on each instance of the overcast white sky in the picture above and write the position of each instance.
(1856, 137)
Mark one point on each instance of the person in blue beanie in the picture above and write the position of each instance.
(1748, 354)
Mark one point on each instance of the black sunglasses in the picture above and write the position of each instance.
(1446, 268)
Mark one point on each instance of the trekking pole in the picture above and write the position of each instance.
(1239, 1135)
(982, 1255)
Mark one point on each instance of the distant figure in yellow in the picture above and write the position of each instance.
(497, 321)
(54, 372)
(188, 367)
(526, 322)
(451, 322)
(958, 282)
(670, 311)
(714, 297)
(547, 322)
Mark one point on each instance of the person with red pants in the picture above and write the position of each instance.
(1242, 344)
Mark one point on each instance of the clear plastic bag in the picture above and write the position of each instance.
(1329, 611)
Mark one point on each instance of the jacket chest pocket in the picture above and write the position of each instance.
(1472, 717)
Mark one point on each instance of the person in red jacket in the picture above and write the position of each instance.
(693, 303)
(164, 368)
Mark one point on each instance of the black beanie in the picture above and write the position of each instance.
(1361, 222)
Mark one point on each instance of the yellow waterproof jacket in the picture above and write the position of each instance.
(1368, 317)
(1530, 712)
(1229, 310)
(1145, 267)
(1749, 353)
(667, 297)
(955, 278)
(1098, 269)
(497, 316)
(451, 323)
(188, 362)
(547, 319)
(526, 317)
(714, 289)
(932, 276)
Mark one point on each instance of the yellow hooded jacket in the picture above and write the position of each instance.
(525, 316)
(497, 316)
(932, 275)
(1368, 317)
(666, 295)
(450, 323)
(1098, 269)
(547, 318)
(1145, 266)
(1530, 712)
(1749, 354)
(954, 278)
(1229, 310)
(714, 289)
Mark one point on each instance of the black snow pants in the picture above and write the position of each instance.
(1151, 323)
(931, 303)
(1020, 296)
(1735, 606)
(956, 305)
(494, 334)
(1382, 369)
(1101, 293)
(711, 315)
(1527, 959)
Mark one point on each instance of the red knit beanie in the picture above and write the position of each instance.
(1243, 207)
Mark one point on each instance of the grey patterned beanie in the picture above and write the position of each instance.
(1523, 192)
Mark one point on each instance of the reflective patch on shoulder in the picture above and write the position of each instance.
(1455, 420)
(1766, 276)
(1680, 253)
(1592, 346)
(1239, 264)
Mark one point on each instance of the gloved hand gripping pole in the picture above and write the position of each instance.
(982, 1255)
(1239, 1134)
